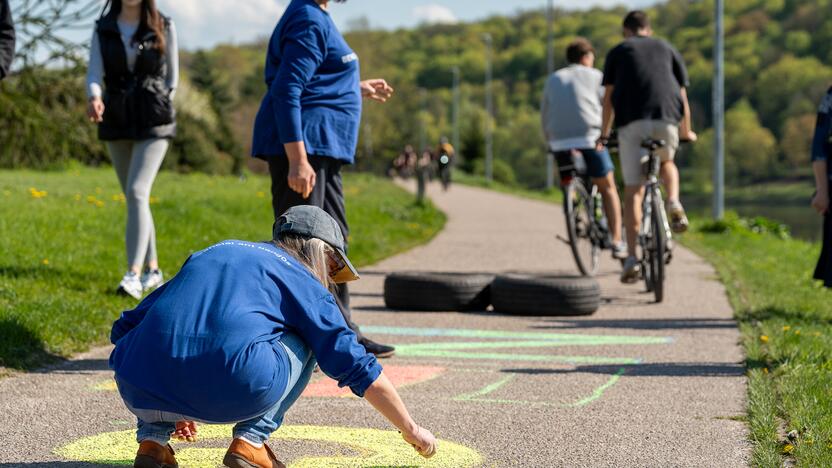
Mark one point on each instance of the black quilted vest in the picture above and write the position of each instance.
(137, 103)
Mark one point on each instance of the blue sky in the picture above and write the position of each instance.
(204, 23)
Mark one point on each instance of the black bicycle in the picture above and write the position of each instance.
(655, 234)
(586, 221)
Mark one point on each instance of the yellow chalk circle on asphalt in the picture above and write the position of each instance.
(375, 448)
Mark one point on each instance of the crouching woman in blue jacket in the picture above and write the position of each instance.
(244, 323)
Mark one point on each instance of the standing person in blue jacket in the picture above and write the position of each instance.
(821, 152)
(244, 323)
(7, 38)
(307, 126)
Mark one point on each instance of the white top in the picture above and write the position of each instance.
(95, 72)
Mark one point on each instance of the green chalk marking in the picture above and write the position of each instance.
(486, 390)
(420, 351)
(599, 392)
(558, 339)
(449, 345)
(490, 388)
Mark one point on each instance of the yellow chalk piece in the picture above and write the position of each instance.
(376, 448)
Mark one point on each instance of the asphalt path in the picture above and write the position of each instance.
(636, 384)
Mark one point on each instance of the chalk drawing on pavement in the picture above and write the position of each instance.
(375, 448)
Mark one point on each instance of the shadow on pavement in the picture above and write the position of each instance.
(638, 324)
(21, 348)
(656, 369)
(81, 366)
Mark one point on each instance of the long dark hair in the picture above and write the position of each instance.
(151, 20)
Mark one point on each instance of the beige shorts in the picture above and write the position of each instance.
(631, 153)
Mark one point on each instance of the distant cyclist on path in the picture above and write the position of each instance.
(646, 81)
(571, 115)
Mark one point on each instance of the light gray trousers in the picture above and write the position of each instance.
(136, 164)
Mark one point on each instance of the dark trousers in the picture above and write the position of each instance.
(823, 271)
(328, 194)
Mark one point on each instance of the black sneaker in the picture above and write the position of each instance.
(381, 351)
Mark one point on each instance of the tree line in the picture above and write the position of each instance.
(778, 65)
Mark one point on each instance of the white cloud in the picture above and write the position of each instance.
(204, 23)
(434, 13)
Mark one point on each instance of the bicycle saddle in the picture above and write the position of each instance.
(653, 145)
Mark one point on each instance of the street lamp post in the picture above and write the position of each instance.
(550, 68)
(489, 108)
(719, 113)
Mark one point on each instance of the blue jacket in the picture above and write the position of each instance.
(822, 141)
(313, 83)
(206, 345)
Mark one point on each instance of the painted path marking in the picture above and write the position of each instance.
(375, 448)
(479, 395)
(400, 376)
(556, 339)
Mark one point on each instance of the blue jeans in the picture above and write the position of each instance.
(158, 425)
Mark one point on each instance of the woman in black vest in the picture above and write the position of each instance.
(133, 72)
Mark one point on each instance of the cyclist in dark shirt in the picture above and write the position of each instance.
(821, 152)
(645, 81)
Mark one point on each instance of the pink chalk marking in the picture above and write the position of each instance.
(401, 376)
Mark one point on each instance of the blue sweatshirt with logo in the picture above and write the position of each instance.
(206, 344)
(314, 92)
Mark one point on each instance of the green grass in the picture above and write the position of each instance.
(62, 255)
(555, 195)
(785, 320)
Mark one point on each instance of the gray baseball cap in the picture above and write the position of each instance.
(311, 221)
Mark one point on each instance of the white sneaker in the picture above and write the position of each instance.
(619, 251)
(131, 285)
(152, 279)
(632, 269)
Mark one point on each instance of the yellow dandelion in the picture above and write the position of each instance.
(154, 200)
(7, 193)
(764, 338)
(45, 261)
(816, 333)
(787, 328)
(99, 190)
(91, 199)
(797, 332)
(99, 203)
(788, 448)
(261, 194)
(765, 370)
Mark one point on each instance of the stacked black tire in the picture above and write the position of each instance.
(513, 294)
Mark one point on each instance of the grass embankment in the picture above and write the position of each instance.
(62, 244)
(785, 320)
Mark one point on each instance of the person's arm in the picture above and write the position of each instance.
(382, 395)
(7, 39)
(820, 156)
(172, 52)
(303, 47)
(95, 76)
(132, 318)
(686, 132)
(607, 116)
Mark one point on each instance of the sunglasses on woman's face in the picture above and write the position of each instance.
(335, 263)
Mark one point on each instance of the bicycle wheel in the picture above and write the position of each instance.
(577, 205)
(657, 260)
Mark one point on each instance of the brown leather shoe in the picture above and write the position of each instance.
(244, 455)
(153, 455)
